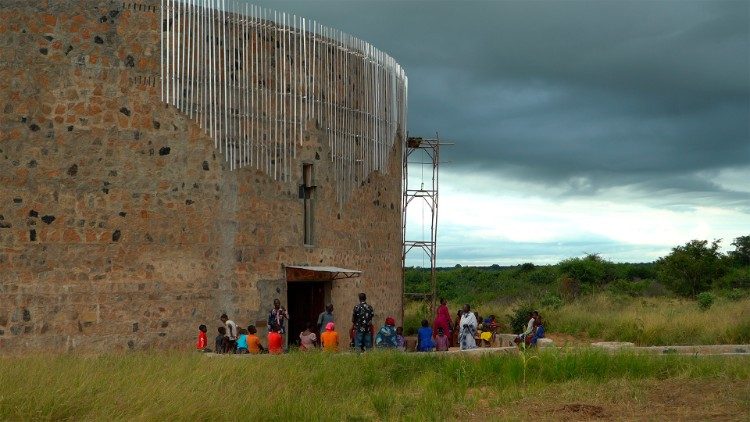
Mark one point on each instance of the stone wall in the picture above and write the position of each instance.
(120, 225)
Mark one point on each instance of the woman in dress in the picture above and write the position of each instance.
(442, 320)
(468, 329)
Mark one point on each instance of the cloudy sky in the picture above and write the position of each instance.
(612, 127)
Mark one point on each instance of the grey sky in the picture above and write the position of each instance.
(623, 102)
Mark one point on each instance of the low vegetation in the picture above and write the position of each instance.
(374, 386)
(694, 295)
(653, 321)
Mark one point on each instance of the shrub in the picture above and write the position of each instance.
(544, 275)
(413, 318)
(551, 300)
(527, 266)
(741, 253)
(656, 289)
(736, 294)
(628, 288)
(735, 278)
(692, 268)
(520, 317)
(636, 272)
(570, 288)
(590, 270)
(705, 300)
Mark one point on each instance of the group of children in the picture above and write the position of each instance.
(426, 342)
(247, 341)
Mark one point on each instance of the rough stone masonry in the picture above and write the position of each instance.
(121, 227)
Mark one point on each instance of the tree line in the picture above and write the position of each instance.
(688, 270)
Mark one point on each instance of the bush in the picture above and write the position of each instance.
(705, 300)
(656, 289)
(741, 253)
(413, 318)
(635, 272)
(520, 317)
(628, 288)
(692, 268)
(735, 278)
(735, 294)
(570, 288)
(590, 270)
(551, 300)
(527, 266)
(544, 275)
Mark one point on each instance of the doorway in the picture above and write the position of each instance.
(305, 300)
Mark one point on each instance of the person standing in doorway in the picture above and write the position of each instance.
(362, 320)
(325, 317)
(277, 316)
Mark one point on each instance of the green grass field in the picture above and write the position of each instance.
(376, 386)
(646, 321)
(654, 321)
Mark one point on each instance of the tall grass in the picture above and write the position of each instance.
(311, 386)
(653, 321)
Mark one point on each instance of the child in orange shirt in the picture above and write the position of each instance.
(330, 338)
(253, 342)
(275, 341)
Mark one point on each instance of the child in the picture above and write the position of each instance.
(489, 327)
(242, 342)
(221, 342)
(253, 342)
(275, 342)
(352, 333)
(400, 341)
(441, 341)
(202, 339)
(308, 338)
(424, 338)
(330, 338)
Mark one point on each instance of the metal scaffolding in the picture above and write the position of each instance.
(428, 192)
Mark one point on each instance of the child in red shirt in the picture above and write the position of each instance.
(275, 342)
(202, 339)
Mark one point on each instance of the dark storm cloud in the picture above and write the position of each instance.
(578, 96)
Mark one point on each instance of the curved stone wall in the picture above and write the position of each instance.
(122, 226)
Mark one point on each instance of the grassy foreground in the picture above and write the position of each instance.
(375, 386)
